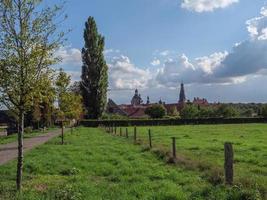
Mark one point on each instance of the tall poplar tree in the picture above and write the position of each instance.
(94, 82)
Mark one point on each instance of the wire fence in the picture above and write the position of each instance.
(150, 138)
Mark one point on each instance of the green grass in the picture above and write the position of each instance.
(13, 137)
(201, 148)
(95, 165)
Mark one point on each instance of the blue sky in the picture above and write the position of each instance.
(155, 44)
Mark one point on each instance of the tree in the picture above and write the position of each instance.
(156, 111)
(173, 112)
(69, 103)
(28, 40)
(62, 84)
(206, 112)
(189, 112)
(227, 111)
(263, 111)
(94, 82)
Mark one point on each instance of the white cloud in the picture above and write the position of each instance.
(206, 5)
(125, 75)
(246, 59)
(199, 70)
(111, 51)
(155, 62)
(165, 53)
(69, 56)
(257, 26)
(209, 63)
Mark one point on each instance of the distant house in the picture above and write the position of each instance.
(137, 108)
(7, 120)
(200, 101)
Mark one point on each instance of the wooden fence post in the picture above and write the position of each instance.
(229, 163)
(174, 148)
(120, 131)
(62, 133)
(126, 133)
(150, 139)
(115, 130)
(135, 134)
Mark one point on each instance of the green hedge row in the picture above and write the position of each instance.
(162, 122)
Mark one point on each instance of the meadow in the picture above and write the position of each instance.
(201, 148)
(93, 164)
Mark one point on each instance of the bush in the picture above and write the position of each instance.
(28, 129)
(263, 111)
(156, 111)
(227, 111)
(206, 112)
(173, 113)
(190, 112)
(107, 116)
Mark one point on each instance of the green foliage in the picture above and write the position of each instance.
(173, 112)
(206, 112)
(263, 111)
(70, 104)
(156, 111)
(227, 111)
(28, 129)
(190, 112)
(29, 39)
(107, 116)
(94, 82)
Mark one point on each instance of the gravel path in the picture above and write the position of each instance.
(9, 151)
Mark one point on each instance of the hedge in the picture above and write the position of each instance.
(162, 122)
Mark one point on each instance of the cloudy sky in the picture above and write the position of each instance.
(218, 48)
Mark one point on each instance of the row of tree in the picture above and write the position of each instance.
(191, 111)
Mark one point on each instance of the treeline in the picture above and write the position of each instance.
(192, 111)
(54, 99)
(223, 111)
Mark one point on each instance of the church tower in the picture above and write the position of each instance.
(182, 97)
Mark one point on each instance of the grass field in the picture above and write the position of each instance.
(95, 165)
(13, 137)
(201, 148)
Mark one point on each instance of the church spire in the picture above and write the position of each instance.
(182, 97)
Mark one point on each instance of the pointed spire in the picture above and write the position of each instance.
(182, 97)
(147, 100)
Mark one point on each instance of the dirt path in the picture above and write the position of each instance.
(9, 151)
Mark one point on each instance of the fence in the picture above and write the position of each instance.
(228, 150)
(164, 122)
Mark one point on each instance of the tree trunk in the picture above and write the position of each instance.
(20, 149)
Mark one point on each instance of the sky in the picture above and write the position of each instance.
(218, 48)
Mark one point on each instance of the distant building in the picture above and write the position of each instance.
(182, 98)
(6, 119)
(137, 108)
(136, 100)
(200, 101)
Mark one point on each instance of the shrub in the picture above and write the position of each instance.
(28, 129)
(156, 111)
(173, 112)
(190, 112)
(263, 111)
(107, 116)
